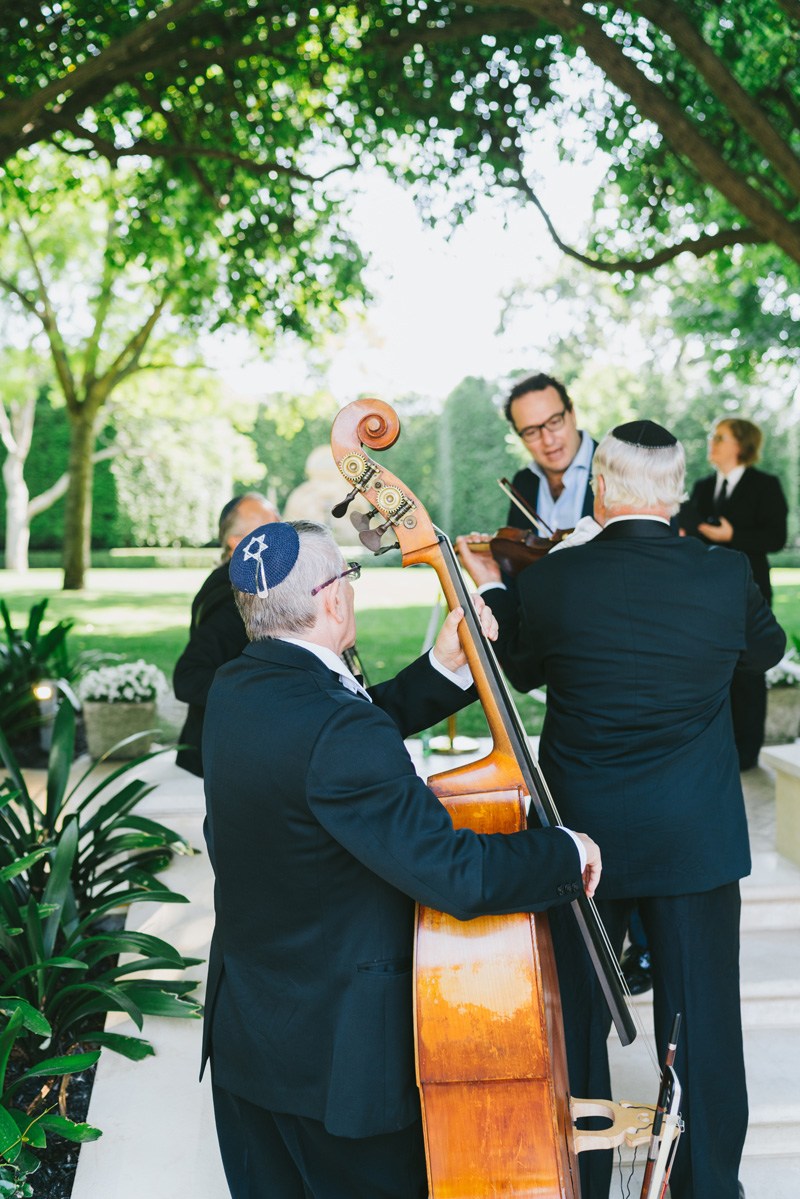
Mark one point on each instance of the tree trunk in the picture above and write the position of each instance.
(78, 509)
(17, 526)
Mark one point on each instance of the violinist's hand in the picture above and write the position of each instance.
(481, 567)
(447, 648)
(594, 866)
(721, 533)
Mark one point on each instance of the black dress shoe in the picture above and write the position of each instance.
(635, 966)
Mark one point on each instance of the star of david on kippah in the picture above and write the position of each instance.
(264, 558)
(247, 555)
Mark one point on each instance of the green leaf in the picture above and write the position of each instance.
(59, 883)
(69, 1129)
(32, 1018)
(23, 864)
(162, 1003)
(129, 940)
(68, 1063)
(135, 1048)
(9, 1133)
(62, 752)
(160, 896)
(112, 999)
(29, 1129)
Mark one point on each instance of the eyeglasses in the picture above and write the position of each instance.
(353, 571)
(553, 423)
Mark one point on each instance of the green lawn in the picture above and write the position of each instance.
(145, 613)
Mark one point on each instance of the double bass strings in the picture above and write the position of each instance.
(546, 809)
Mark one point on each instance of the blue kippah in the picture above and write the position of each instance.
(645, 433)
(263, 558)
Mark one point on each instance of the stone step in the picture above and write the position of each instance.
(774, 1096)
(770, 906)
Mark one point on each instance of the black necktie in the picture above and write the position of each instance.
(721, 496)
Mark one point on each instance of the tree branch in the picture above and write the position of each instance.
(749, 114)
(651, 101)
(50, 325)
(24, 115)
(127, 360)
(191, 151)
(46, 499)
(699, 246)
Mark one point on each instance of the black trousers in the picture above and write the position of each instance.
(694, 944)
(749, 713)
(271, 1155)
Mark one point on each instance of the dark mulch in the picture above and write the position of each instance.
(55, 1175)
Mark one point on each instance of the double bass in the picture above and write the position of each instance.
(498, 1118)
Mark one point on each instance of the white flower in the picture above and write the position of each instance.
(785, 673)
(126, 682)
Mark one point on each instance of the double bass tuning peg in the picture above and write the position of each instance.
(339, 509)
(370, 538)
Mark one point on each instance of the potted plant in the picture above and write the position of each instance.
(119, 707)
(783, 700)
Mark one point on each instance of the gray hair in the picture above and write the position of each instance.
(289, 608)
(641, 477)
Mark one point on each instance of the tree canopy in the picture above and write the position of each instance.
(694, 103)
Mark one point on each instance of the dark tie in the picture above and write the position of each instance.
(721, 496)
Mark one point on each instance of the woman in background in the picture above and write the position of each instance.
(742, 508)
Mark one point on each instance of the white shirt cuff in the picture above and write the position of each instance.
(461, 677)
(578, 842)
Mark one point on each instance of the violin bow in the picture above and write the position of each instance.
(667, 1125)
(541, 527)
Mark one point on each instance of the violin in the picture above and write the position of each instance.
(514, 549)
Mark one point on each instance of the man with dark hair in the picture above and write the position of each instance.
(636, 635)
(556, 482)
(322, 835)
(216, 632)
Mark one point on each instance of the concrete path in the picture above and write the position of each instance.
(156, 1118)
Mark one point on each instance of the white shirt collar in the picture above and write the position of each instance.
(732, 478)
(332, 661)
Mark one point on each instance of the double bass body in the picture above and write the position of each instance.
(491, 1065)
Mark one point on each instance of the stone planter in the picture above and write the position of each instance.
(106, 724)
(783, 715)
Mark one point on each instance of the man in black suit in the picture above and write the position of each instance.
(322, 836)
(216, 632)
(637, 634)
(744, 509)
(556, 482)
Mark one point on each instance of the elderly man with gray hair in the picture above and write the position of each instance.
(322, 836)
(636, 634)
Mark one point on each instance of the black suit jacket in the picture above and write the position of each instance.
(322, 836)
(636, 635)
(757, 510)
(216, 636)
